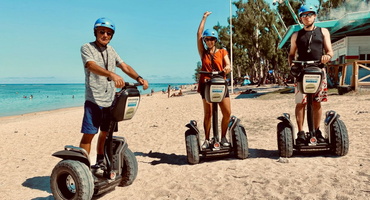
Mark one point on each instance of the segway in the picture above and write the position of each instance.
(215, 90)
(75, 178)
(309, 77)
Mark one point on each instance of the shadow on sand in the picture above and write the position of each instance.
(164, 158)
(174, 159)
(250, 96)
(256, 92)
(40, 183)
(263, 153)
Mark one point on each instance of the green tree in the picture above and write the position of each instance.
(334, 9)
(256, 30)
(196, 74)
(283, 9)
(254, 40)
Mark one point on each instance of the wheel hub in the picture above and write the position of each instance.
(70, 183)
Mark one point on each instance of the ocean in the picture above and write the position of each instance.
(18, 99)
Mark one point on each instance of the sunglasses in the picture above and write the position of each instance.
(308, 14)
(105, 32)
(210, 39)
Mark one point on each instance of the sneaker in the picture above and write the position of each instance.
(301, 138)
(99, 165)
(224, 142)
(319, 137)
(205, 144)
(98, 169)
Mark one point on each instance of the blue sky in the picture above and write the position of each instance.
(41, 39)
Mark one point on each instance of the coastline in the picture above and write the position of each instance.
(188, 90)
(156, 136)
(31, 114)
(20, 99)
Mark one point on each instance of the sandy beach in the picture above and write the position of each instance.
(156, 136)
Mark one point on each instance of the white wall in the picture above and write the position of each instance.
(351, 46)
(358, 45)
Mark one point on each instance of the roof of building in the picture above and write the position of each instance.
(351, 24)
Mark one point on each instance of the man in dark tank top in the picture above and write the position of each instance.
(311, 43)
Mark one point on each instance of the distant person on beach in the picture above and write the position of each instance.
(169, 91)
(100, 61)
(178, 94)
(310, 43)
(213, 59)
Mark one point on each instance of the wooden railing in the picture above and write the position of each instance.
(356, 68)
(355, 83)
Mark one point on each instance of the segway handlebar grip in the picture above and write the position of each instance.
(132, 84)
(213, 72)
(128, 84)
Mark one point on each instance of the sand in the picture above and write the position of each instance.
(156, 136)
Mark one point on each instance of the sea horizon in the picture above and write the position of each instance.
(23, 98)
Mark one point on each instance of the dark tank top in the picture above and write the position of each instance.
(310, 50)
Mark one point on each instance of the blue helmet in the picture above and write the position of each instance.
(210, 33)
(306, 8)
(105, 22)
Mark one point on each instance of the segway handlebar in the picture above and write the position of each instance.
(304, 64)
(298, 66)
(307, 62)
(128, 84)
(132, 84)
(212, 73)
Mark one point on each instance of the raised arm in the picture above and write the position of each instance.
(200, 33)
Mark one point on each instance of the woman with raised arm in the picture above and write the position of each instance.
(213, 59)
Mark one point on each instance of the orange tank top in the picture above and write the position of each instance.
(218, 63)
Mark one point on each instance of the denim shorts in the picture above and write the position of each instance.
(95, 117)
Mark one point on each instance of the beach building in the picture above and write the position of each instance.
(350, 36)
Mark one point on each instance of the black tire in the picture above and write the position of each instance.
(192, 147)
(240, 142)
(71, 179)
(129, 168)
(284, 140)
(339, 137)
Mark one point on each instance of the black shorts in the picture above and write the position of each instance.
(202, 88)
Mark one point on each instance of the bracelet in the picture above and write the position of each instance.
(137, 79)
(329, 56)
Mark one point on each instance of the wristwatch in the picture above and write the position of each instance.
(137, 79)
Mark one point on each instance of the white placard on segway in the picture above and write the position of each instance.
(217, 93)
(311, 83)
(131, 106)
